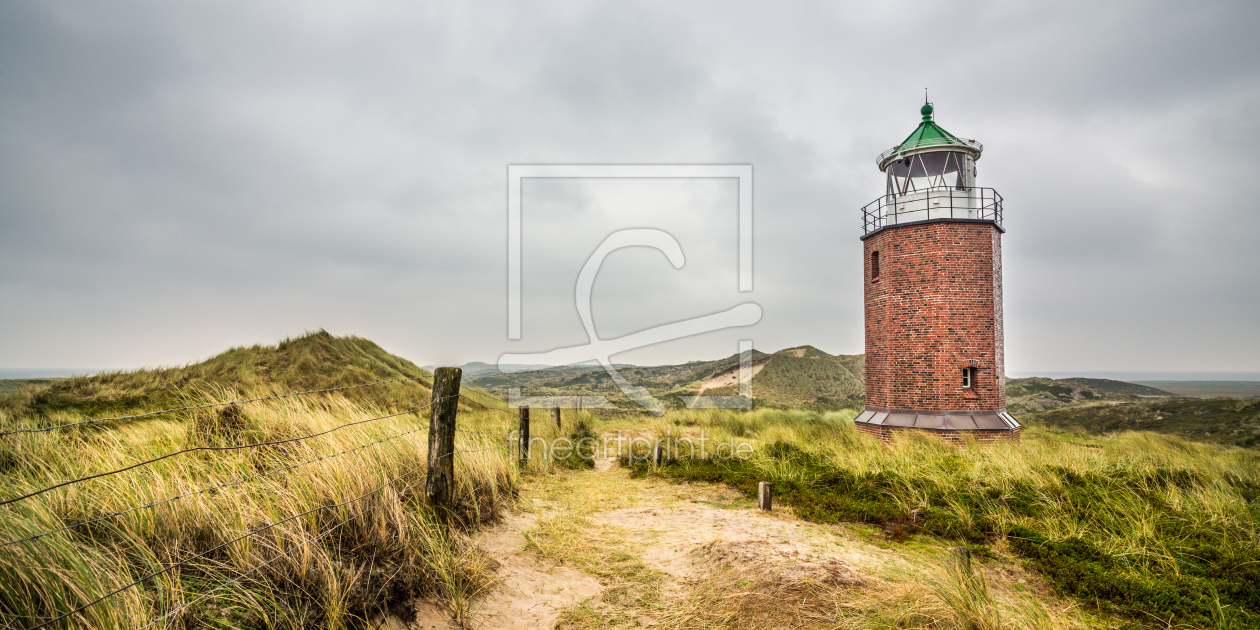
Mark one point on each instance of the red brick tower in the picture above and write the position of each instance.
(933, 287)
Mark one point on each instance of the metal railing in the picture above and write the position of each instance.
(976, 204)
(931, 142)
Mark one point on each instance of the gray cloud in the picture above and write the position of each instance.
(175, 179)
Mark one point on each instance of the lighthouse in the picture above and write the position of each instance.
(932, 279)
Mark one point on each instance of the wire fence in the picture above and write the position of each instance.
(221, 486)
(203, 554)
(431, 460)
(196, 449)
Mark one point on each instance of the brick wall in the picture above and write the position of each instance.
(935, 308)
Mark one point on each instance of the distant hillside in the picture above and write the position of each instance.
(10, 385)
(796, 377)
(806, 377)
(1220, 420)
(800, 377)
(1120, 387)
(1041, 394)
(1037, 393)
(316, 360)
(664, 381)
(1209, 389)
(478, 368)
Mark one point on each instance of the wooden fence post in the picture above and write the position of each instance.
(439, 485)
(763, 495)
(555, 415)
(524, 436)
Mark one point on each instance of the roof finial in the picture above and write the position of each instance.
(926, 110)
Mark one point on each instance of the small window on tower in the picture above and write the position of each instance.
(874, 265)
(968, 377)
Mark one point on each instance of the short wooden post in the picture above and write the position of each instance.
(657, 454)
(763, 495)
(962, 555)
(439, 484)
(524, 436)
(555, 415)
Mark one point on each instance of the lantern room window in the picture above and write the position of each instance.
(937, 169)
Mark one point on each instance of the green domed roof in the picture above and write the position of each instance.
(929, 134)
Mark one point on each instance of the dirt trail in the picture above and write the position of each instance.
(527, 593)
(685, 533)
(610, 551)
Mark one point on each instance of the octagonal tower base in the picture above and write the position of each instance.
(952, 426)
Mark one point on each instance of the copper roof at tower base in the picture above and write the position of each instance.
(939, 420)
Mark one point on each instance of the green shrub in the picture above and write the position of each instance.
(585, 441)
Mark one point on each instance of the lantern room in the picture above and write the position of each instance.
(931, 175)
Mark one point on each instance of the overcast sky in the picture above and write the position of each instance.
(179, 178)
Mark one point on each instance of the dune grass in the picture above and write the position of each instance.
(1155, 529)
(329, 568)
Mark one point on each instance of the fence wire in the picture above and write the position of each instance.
(282, 554)
(472, 450)
(486, 407)
(209, 489)
(221, 546)
(205, 448)
(508, 432)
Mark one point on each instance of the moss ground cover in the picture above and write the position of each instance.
(1156, 529)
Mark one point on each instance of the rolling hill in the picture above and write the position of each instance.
(795, 377)
(316, 360)
(1120, 387)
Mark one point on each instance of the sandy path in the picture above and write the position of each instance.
(530, 593)
(710, 558)
(527, 593)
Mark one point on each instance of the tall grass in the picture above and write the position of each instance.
(1151, 527)
(389, 549)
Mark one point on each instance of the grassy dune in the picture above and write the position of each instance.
(313, 361)
(329, 568)
(1158, 531)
